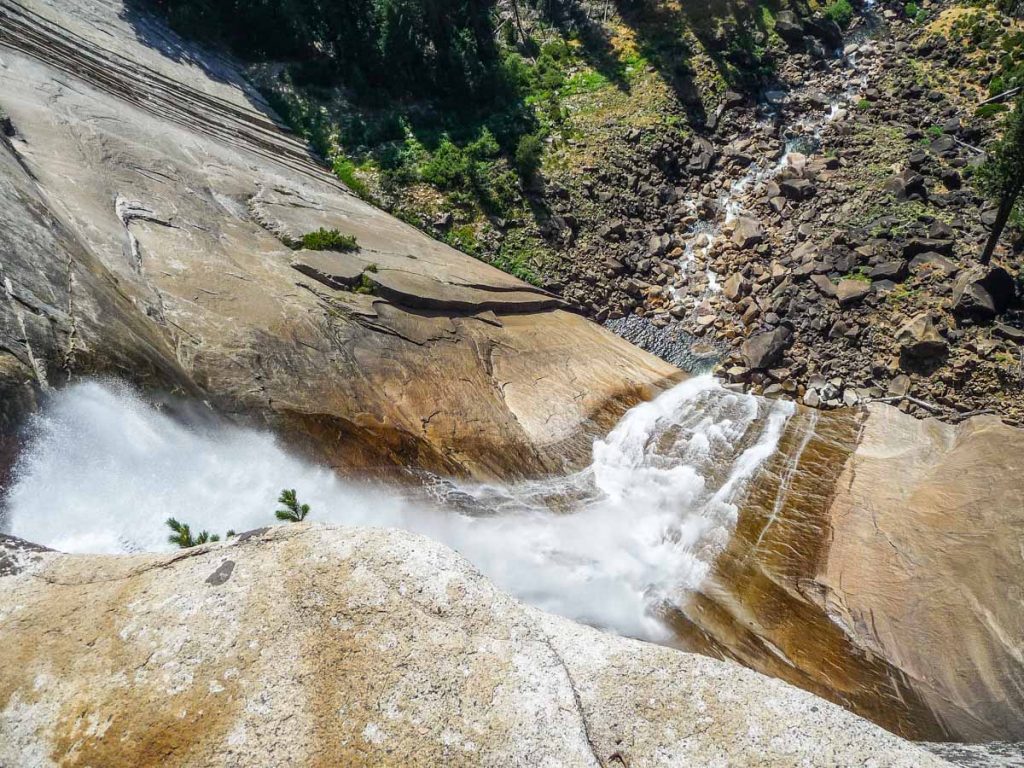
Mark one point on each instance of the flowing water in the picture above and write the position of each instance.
(612, 545)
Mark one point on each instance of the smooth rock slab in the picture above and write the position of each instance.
(351, 646)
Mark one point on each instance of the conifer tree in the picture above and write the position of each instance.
(182, 535)
(293, 511)
(1002, 175)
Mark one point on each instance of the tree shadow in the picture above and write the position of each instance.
(732, 34)
(154, 32)
(574, 19)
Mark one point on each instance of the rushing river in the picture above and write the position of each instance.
(611, 545)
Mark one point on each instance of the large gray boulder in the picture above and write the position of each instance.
(790, 28)
(765, 349)
(981, 293)
(851, 291)
(920, 340)
(747, 232)
(148, 201)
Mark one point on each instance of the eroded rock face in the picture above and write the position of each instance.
(146, 199)
(877, 562)
(306, 645)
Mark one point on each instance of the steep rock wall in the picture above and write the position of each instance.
(149, 198)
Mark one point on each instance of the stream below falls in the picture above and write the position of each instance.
(616, 545)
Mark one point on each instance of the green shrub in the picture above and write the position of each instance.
(863, 104)
(381, 48)
(463, 237)
(914, 12)
(529, 151)
(840, 11)
(449, 167)
(365, 285)
(345, 170)
(328, 240)
(990, 110)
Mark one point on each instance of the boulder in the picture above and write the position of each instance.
(178, 198)
(981, 293)
(1009, 332)
(824, 285)
(919, 245)
(827, 31)
(919, 339)
(747, 232)
(765, 349)
(735, 287)
(907, 185)
(790, 28)
(852, 291)
(890, 270)
(797, 189)
(935, 261)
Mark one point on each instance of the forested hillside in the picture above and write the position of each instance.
(699, 175)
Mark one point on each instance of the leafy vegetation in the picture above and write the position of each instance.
(985, 32)
(1002, 175)
(381, 48)
(345, 170)
(328, 240)
(914, 12)
(839, 11)
(182, 537)
(426, 108)
(292, 511)
(528, 155)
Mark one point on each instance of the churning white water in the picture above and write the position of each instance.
(611, 545)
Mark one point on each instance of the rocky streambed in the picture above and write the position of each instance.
(151, 209)
(823, 232)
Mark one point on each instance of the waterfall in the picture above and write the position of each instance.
(609, 545)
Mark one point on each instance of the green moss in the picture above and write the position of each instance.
(365, 285)
(345, 170)
(328, 240)
(463, 237)
(901, 294)
(860, 274)
(987, 111)
(839, 11)
(522, 256)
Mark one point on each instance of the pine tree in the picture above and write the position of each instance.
(182, 535)
(293, 512)
(1002, 175)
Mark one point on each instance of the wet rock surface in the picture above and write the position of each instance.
(849, 562)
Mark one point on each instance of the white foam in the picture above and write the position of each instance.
(609, 545)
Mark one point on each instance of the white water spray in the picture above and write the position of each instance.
(610, 545)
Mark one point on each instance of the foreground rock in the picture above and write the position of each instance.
(316, 646)
(147, 205)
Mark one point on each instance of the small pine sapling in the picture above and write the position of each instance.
(293, 511)
(182, 535)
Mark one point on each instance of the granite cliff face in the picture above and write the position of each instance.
(308, 645)
(147, 200)
(147, 207)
